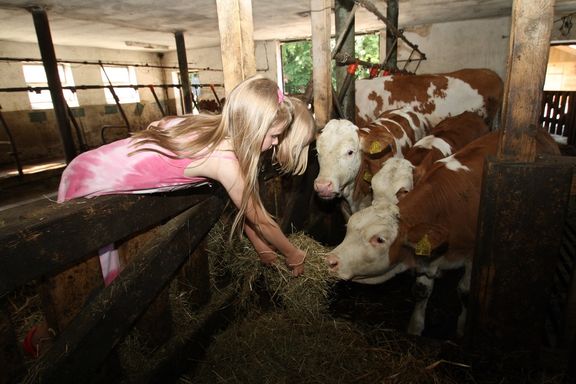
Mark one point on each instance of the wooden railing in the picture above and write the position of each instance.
(41, 240)
(559, 114)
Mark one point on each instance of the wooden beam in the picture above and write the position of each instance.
(236, 41)
(529, 45)
(321, 56)
(84, 345)
(46, 238)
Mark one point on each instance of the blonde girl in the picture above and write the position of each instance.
(179, 151)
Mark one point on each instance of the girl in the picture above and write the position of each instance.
(182, 151)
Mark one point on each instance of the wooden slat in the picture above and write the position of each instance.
(529, 45)
(11, 359)
(521, 219)
(45, 238)
(83, 347)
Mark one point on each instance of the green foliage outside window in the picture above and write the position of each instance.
(297, 61)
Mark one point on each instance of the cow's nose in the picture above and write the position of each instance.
(332, 261)
(323, 186)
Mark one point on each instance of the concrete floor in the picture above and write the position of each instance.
(40, 181)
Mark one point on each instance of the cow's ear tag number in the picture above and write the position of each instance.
(423, 247)
(375, 147)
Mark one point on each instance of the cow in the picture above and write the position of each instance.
(344, 150)
(432, 228)
(435, 96)
(447, 137)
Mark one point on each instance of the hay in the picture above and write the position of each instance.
(306, 295)
(276, 348)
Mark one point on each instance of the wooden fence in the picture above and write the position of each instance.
(43, 240)
(558, 115)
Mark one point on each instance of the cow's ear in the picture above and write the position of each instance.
(427, 239)
(374, 146)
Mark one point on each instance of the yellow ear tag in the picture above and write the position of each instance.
(375, 147)
(423, 247)
(367, 176)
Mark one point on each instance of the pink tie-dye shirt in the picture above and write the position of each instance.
(110, 169)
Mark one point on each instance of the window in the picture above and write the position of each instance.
(118, 75)
(194, 79)
(35, 76)
(297, 61)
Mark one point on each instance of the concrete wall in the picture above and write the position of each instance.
(464, 44)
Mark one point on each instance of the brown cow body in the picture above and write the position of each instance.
(441, 210)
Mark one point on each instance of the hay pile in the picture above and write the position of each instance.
(276, 348)
(238, 263)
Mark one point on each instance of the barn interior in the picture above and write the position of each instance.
(137, 51)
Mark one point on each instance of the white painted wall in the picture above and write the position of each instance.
(464, 44)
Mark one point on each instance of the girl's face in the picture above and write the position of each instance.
(271, 138)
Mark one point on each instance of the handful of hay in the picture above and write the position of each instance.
(306, 295)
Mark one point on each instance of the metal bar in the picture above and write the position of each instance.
(157, 100)
(216, 95)
(46, 47)
(369, 6)
(391, 39)
(184, 78)
(12, 144)
(117, 100)
(79, 137)
(345, 31)
(74, 88)
(28, 59)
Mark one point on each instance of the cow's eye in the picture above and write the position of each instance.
(350, 152)
(380, 240)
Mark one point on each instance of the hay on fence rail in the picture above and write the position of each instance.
(306, 294)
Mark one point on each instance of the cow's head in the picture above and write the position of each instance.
(377, 246)
(339, 156)
(369, 250)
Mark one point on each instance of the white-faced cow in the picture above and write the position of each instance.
(435, 96)
(346, 152)
(439, 215)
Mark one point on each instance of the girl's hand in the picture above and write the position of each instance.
(295, 262)
(268, 257)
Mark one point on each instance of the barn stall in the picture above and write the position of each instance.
(92, 342)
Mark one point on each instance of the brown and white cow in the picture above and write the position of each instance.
(346, 152)
(446, 138)
(440, 213)
(435, 96)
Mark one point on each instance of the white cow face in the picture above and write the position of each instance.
(365, 253)
(339, 156)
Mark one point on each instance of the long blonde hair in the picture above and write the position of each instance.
(251, 108)
(292, 151)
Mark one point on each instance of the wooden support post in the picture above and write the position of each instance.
(528, 57)
(522, 208)
(236, 41)
(321, 72)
